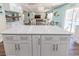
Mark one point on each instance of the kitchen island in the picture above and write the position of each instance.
(36, 40)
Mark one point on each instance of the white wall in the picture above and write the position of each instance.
(2, 21)
(6, 6)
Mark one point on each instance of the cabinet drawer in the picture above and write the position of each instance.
(17, 38)
(62, 38)
(24, 38)
(36, 36)
(47, 37)
(9, 38)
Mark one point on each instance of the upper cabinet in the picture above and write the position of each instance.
(15, 7)
(6, 6)
(12, 16)
(12, 7)
(13, 12)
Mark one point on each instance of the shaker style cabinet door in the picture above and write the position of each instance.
(36, 42)
(18, 45)
(10, 45)
(61, 45)
(64, 45)
(25, 46)
(46, 45)
(11, 49)
(24, 49)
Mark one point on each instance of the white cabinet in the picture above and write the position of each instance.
(46, 45)
(62, 45)
(10, 49)
(17, 45)
(36, 45)
(10, 45)
(25, 45)
(50, 45)
(54, 45)
(25, 49)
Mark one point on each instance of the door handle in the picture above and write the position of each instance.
(56, 47)
(18, 46)
(15, 47)
(53, 47)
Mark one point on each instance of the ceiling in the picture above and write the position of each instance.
(38, 7)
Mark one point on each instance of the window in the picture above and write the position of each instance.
(71, 19)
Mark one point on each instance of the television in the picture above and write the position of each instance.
(37, 16)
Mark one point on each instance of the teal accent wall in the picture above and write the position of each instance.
(61, 11)
(59, 19)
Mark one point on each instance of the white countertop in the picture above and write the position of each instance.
(35, 29)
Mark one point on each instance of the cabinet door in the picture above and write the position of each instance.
(36, 44)
(17, 45)
(11, 49)
(10, 45)
(46, 45)
(25, 46)
(54, 45)
(61, 45)
(64, 45)
(24, 49)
